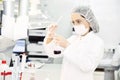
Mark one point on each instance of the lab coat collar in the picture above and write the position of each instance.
(87, 35)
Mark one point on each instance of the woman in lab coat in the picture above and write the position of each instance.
(83, 51)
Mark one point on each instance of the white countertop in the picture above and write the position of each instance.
(47, 72)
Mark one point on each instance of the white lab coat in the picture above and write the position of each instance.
(81, 57)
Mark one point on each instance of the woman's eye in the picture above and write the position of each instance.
(73, 22)
(78, 21)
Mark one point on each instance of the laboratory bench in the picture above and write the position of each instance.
(51, 69)
(47, 72)
(108, 67)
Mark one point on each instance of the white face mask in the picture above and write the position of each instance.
(80, 29)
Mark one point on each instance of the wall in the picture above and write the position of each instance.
(106, 11)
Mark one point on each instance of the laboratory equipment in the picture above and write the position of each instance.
(8, 20)
(5, 72)
(108, 66)
(57, 52)
(24, 4)
(36, 35)
(116, 56)
(20, 46)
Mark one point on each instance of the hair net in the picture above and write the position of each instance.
(89, 16)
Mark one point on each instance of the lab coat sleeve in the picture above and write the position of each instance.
(71, 39)
(89, 59)
(49, 48)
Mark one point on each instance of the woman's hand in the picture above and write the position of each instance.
(61, 41)
(50, 33)
(51, 30)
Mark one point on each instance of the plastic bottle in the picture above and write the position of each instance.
(116, 56)
(15, 67)
(5, 72)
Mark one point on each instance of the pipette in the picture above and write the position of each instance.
(56, 23)
(59, 19)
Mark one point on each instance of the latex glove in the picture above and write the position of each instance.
(51, 30)
(61, 41)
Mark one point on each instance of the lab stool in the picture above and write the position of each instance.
(109, 71)
(118, 76)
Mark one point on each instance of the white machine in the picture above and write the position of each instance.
(36, 35)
